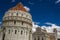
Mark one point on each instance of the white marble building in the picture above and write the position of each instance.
(17, 24)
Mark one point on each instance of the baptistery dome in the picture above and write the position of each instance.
(17, 23)
(16, 14)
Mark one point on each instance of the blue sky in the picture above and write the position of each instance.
(41, 10)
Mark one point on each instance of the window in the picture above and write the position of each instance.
(17, 14)
(15, 31)
(21, 32)
(14, 22)
(3, 28)
(42, 38)
(22, 23)
(9, 31)
(3, 36)
(30, 31)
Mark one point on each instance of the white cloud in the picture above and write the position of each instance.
(28, 9)
(34, 26)
(58, 1)
(48, 23)
(48, 28)
(36, 23)
(52, 25)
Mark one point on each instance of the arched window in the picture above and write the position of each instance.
(17, 14)
(4, 29)
(30, 31)
(22, 23)
(42, 38)
(21, 32)
(14, 22)
(15, 31)
(9, 31)
(3, 36)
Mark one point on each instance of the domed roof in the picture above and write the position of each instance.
(19, 6)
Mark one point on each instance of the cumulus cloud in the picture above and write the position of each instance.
(58, 1)
(48, 28)
(28, 9)
(52, 25)
(34, 26)
(48, 23)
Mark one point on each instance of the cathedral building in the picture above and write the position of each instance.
(17, 25)
(42, 34)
